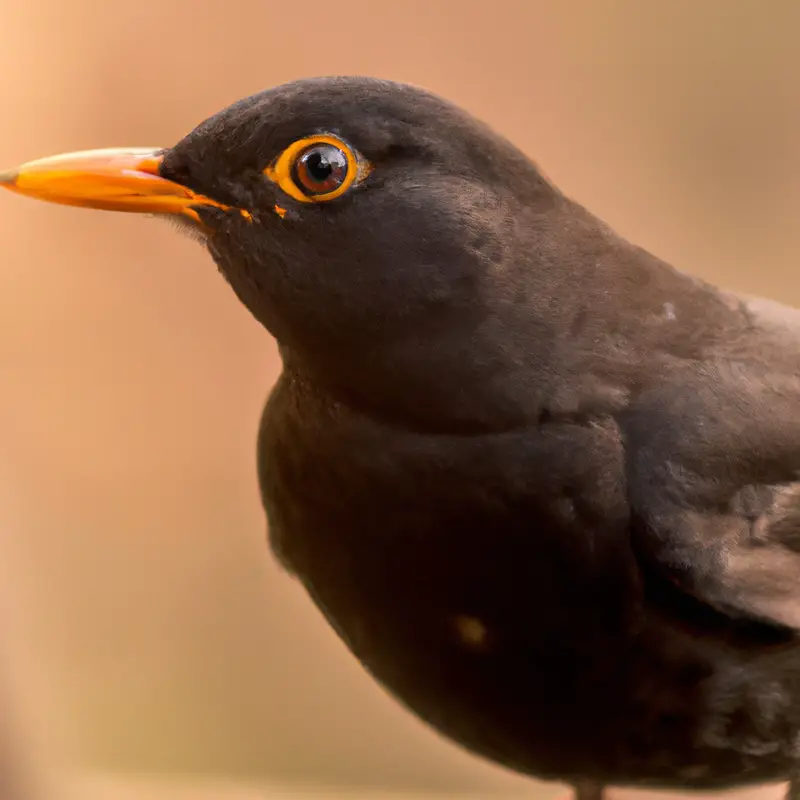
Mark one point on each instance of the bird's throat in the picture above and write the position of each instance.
(422, 395)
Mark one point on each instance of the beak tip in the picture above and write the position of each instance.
(8, 178)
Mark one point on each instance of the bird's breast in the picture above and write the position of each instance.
(489, 584)
(475, 577)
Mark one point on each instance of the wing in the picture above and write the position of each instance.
(713, 471)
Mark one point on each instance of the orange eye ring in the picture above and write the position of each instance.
(317, 169)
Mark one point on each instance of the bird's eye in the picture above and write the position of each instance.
(317, 169)
(320, 169)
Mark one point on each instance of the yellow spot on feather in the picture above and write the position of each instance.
(471, 631)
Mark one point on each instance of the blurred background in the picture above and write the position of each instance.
(148, 641)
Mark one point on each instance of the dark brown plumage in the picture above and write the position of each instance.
(543, 485)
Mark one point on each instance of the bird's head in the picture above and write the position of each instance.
(365, 223)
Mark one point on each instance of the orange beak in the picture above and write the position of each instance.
(117, 179)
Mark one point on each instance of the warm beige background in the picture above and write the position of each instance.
(148, 628)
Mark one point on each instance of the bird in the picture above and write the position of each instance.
(544, 485)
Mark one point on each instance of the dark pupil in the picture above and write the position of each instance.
(322, 168)
(319, 166)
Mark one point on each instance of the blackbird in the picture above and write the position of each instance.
(544, 486)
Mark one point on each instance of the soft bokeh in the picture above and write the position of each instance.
(147, 627)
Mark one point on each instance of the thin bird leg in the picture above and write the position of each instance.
(793, 792)
(586, 790)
